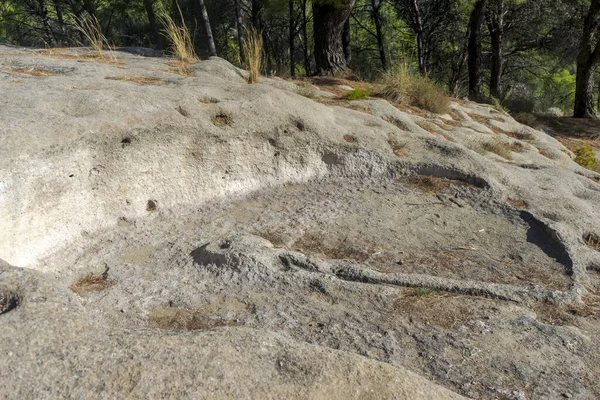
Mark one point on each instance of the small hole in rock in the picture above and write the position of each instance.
(151, 205)
(70, 176)
(8, 301)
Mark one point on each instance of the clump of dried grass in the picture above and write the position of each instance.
(180, 37)
(90, 28)
(401, 86)
(253, 47)
(91, 283)
(136, 79)
(30, 71)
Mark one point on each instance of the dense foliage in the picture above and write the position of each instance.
(530, 50)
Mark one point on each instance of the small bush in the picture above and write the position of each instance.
(401, 86)
(586, 156)
(180, 38)
(397, 84)
(358, 94)
(253, 46)
(555, 112)
(306, 89)
(526, 118)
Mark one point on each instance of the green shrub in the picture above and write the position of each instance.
(358, 94)
(586, 156)
(400, 85)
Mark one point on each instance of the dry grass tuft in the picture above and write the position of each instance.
(520, 204)
(30, 71)
(180, 37)
(181, 70)
(208, 100)
(592, 240)
(136, 79)
(90, 28)
(182, 319)
(401, 86)
(222, 119)
(253, 46)
(431, 184)
(316, 243)
(91, 283)
(495, 146)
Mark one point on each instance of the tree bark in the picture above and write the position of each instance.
(417, 25)
(241, 31)
(476, 92)
(305, 35)
(346, 42)
(587, 63)
(329, 19)
(495, 22)
(156, 36)
(43, 14)
(377, 20)
(212, 50)
(61, 22)
(291, 39)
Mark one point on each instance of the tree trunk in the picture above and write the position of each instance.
(61, 22)
(496, 28)
(587, 63)
(212, 50)
(376, 17)
(43, 14)
(476, 92)
(305, 35)
(417, 26)
(329, 20)
(241, 31)
(291, 39)
(346, 42)
(156, 36)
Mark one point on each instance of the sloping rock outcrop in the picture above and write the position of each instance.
(196, 236)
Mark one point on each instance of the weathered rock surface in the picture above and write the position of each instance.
(200, 237)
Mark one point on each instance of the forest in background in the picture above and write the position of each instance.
(527, 55)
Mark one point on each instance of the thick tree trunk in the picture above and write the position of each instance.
(496, 28)
(212, 50)
(241, 31)
(377, 20)
(476, 92)
(329, 20)
(584, 91)
(587, 63)
(291, 39)
(346, 42)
